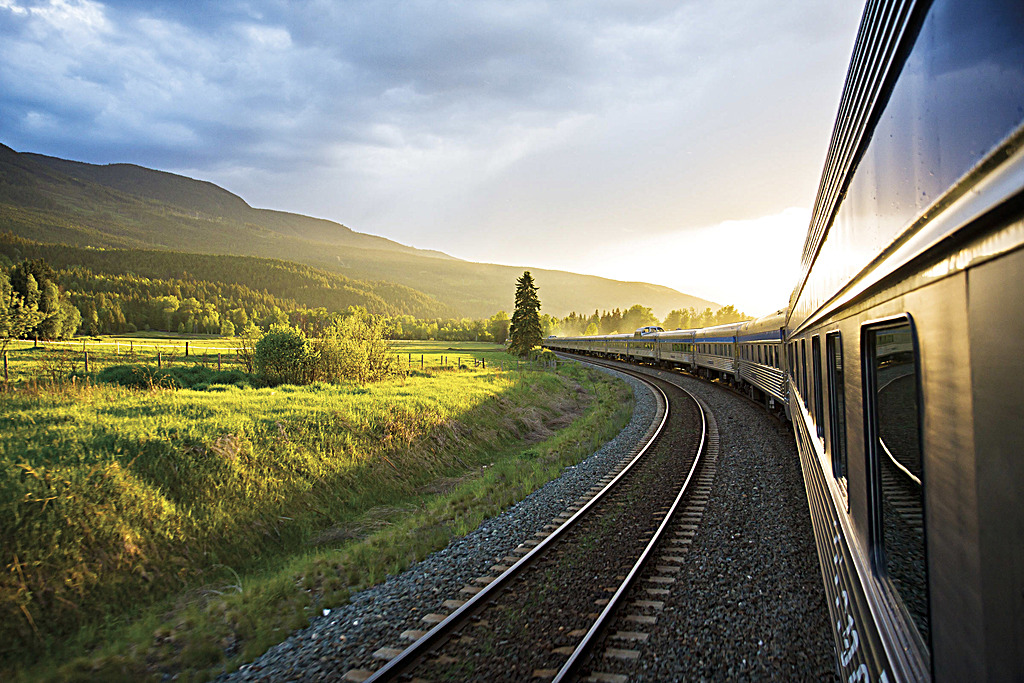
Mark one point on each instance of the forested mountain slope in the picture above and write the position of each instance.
(279, 280)
(123, 206)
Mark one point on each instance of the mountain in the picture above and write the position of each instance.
(294, 284)
(123, 206)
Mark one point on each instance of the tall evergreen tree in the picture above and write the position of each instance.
(525, 331)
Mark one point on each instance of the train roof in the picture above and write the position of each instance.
(766, 327)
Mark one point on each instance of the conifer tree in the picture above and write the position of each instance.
(525, 331)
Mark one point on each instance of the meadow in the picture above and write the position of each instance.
(151, 531)
(56, 361)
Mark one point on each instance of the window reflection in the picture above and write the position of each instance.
(898, 470)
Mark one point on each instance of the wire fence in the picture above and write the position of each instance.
(55, 360)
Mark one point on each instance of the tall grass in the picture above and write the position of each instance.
(112, 498)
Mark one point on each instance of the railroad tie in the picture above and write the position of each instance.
(636, 636)
(604, 677)
(412, 634)
(645, 619)
(386, 653)
(433, 618)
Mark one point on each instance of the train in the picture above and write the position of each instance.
(898, 357)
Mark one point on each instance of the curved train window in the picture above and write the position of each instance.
(836, 403)
(896, 468)
(819, 413)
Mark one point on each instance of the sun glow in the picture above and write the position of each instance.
(752, 264)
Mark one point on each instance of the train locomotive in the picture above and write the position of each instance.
(898, 359)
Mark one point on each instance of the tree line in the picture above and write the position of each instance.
(637, 316)
(40, 301)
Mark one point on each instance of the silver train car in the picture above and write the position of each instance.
(899, 359)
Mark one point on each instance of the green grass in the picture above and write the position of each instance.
(150, 531)
(60, 360)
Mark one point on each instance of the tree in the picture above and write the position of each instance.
(677, 319)
(498, 327)
(16, 317)
(525, 330)
(636, 317)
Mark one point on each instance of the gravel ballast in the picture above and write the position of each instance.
(346, 637)
(749, 603)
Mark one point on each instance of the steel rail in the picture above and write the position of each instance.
(410, 655)
(589, 640)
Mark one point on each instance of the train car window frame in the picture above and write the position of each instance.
(803, 370)
(819, 407)
(904, 579)
(835, 372)
(791, 360)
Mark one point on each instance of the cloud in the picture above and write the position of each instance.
(437, 121)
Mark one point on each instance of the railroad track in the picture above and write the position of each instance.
(548, 603)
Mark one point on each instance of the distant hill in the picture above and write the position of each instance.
(123, 206)
(285, 280)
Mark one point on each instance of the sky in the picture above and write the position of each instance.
(678, 143)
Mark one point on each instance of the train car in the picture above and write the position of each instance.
(643, 345)
(715, 351)
(760, 359)
(675, 348)
(904, 337)
(617, 345)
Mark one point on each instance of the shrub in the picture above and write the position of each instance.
(354, 349)
(284, 356)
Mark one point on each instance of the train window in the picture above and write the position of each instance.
(896, 468)
(836, 403)
(803, 368)
(819, 413)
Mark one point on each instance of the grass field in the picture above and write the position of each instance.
(153, 531)
(49, 361)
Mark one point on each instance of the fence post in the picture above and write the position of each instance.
(483, 362)
(131, 347)
(218, 362)
(159, 359)
(186, 349)
(87, 361)
(421, 361)
(5, 367)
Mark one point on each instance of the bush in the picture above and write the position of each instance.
(284, 356)
(197, 377)
(354, 349)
